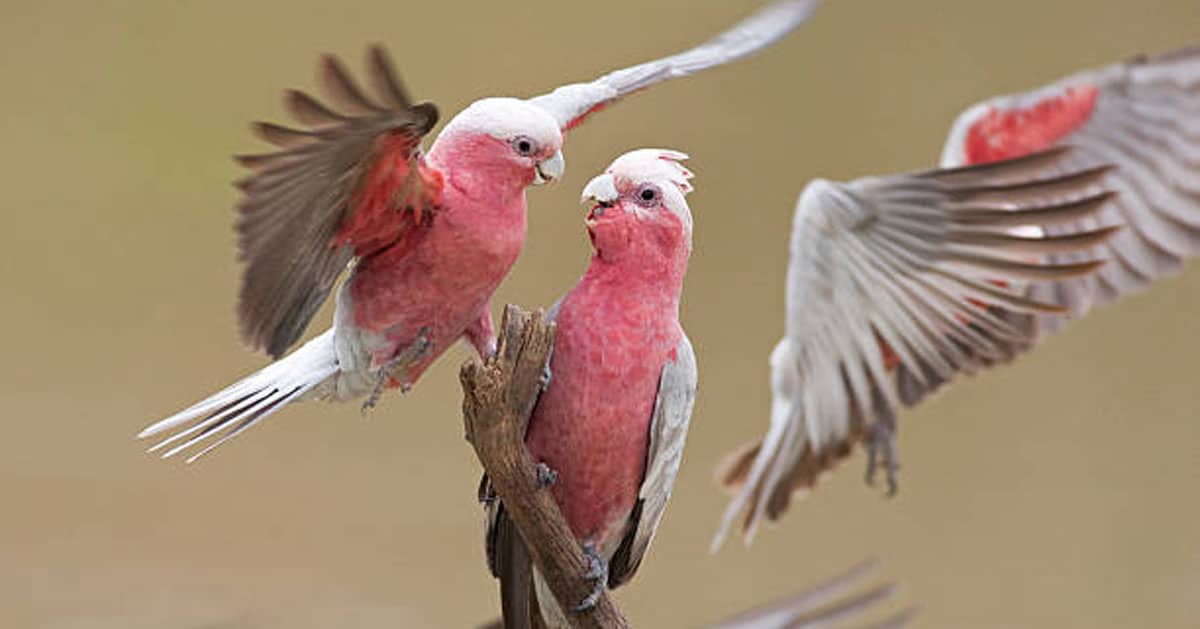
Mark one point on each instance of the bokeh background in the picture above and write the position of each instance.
(1059, 492)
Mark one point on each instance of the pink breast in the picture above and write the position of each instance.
(592, 426)
(441, 280)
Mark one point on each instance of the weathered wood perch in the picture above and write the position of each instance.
(498, 396)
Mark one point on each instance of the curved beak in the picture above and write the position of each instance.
(550, 168)
(601, 189)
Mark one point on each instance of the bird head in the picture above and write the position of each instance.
(639, 206)
(504, 139)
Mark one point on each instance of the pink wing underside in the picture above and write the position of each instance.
(398, 193)
(1005, 134)
(1001, 134)
(581, 118)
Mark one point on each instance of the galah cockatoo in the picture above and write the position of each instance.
(612, 421)
(897, 284)
(429, 236)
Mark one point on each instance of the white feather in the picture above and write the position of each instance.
(250, 400)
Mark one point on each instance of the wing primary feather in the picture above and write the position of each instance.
(1002, 242)
(281, 136)
(1011, 269)
(339, 87)
(307, 110)
(1038, 190)
(1053, 214)
(384, 80)
(1018, 169)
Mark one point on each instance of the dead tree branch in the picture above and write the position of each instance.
(498, 396)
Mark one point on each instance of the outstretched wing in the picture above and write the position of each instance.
(668, 430)
(349, 184)
(922, 271)
(571, 104)
(1142, 116)
(846, 597)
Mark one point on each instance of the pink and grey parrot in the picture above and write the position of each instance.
(898, 284)
(427, 236)
(611, 423)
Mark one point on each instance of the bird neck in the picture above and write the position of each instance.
(478, 167)
(646, 278)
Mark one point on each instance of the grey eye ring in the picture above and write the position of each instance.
(647, 194)
(524, 146)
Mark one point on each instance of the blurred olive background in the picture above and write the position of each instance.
(1059, 492)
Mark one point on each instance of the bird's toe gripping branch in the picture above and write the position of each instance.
(546, 477)
(598, 575)
(398, 368)
(881, 444)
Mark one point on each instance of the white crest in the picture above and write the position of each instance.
(663, 168)
(654, 165)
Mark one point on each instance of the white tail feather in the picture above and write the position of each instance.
(248, 401)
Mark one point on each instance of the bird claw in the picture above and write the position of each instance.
(547, 376)
(597, 573)
(404, 360)
(546, 477)
(882, 444)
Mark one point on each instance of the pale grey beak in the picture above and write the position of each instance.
(601, 189)
(550, 169)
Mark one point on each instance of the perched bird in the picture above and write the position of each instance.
(428, 236)
(611, 423)
(897, 284)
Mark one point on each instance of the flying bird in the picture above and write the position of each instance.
(898, 284)
(610, 426)
(428, 236)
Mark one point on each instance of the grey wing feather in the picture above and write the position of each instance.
(1144, 122)
(902, 273)
(570, 103)
(911, 263)
(668, 431)
(552, 313)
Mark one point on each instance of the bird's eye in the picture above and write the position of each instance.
(523, 146)
(648, 194)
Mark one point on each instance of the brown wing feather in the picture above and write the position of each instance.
(295, 229)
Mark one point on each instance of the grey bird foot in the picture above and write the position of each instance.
(597, 573)
(882, 444)
(546, 477)
(547, 376)
(400, 364)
